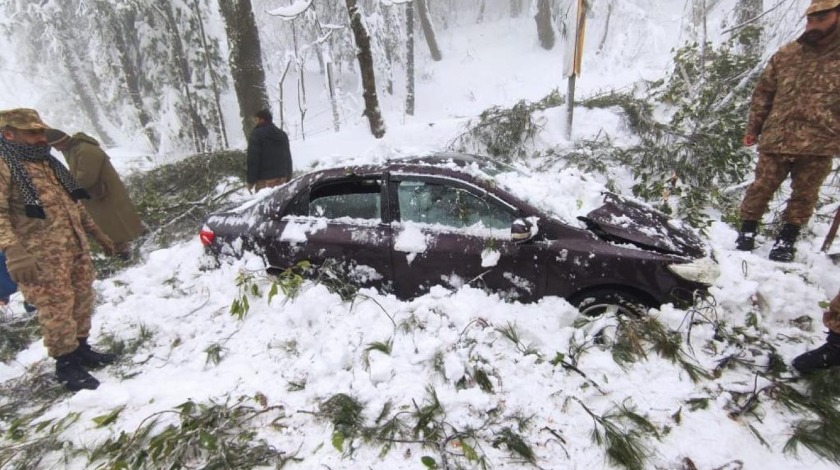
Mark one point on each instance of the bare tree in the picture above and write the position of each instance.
(750, 26)
(428, 30)
(515, 8)
(363, 53)
(121, 27)
(199, 132)
(409, 60)
(603, 41)
(545, 30)
(245, 59)
(216, 113)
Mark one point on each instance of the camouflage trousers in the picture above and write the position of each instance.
(831, 317)
(807, 172)
(269, 183)
(63, 294)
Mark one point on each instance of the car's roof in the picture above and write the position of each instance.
(439, 163)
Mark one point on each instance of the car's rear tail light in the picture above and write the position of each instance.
(206, 236)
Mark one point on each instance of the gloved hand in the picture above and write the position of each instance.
(22, 266)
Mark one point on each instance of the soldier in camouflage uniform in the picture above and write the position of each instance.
(43, 235)
(827, 355)
(795, 117)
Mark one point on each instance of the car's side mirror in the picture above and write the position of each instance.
(522, 230)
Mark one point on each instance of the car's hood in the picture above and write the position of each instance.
(624, 221)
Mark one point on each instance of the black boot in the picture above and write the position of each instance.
(783, 250)
(827, 355)
(93, 359)
(72, 375)
(746, 237)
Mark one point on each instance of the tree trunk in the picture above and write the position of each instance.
(698, 21)
(83, 82)
(606, 28)
(246, 66)
(85, 97)
(545, 31)
(428, 30)
(127, 22)
(282, 106)
(301, 89)
(515, 8)
(750, 32)
(218, 118)
(482, 5)
(199, 132)
(409, 60)
(333, 97)
(377, 125)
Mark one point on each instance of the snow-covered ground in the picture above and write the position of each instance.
(298, 352)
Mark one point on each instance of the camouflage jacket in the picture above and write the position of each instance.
(795, 107)
(66, 221)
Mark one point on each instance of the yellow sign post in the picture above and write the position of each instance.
(573, 59)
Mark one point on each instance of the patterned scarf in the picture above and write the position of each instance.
(14, 154)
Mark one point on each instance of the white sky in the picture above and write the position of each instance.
(317, 339)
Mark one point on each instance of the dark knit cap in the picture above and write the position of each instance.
(55, 136)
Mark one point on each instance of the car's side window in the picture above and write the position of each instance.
(450, 206)
(358, 199)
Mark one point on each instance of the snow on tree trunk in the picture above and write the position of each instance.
(86, 99)
(333, 97)
(748, 11)
(199, 132)
(363, 52)
(84, 81)
(282, 107)
(603, 41)
(545, 31)
(697, 26)
(126, 21)
(515, 8)
(246, 66)
(428, 30)
(409, 60)
(216, 113)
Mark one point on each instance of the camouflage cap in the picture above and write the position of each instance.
(23, 118)
(821, 5)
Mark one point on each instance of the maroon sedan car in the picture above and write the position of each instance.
(406, 225)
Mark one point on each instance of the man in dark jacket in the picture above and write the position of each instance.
(795, 113)
(269, 156)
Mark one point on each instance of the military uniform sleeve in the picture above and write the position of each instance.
(89, 167)
(7, 235)
(762, 98)
(87, 221)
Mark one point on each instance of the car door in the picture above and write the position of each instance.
(451, 233)
(337, 225)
